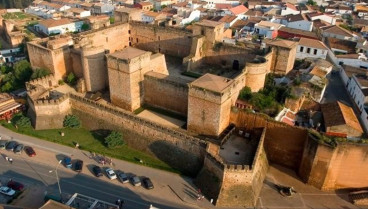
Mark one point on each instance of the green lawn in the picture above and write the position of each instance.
(93, 142)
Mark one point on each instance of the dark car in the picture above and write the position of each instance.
(147, 183)
(68, 162)
(30, 151)
(97, 171)
(78, 166)
(11, 145)
(15, 185)
(18, 149)
(3, 144)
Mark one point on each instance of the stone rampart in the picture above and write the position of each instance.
(175, 147)
(48, 113)
(48, 81)
(166, 40)
(166, 92)
(256, 72)
(328, 168)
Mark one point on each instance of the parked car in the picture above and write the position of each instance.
(97, 171)
(68, 162)
(30, 151)
(3, 144)
(18, 149)
(135, 180)
(147, 183)
(123, 177)
(11, 145)
(15, 185)
(110, 173)
(7, 191)
(78, 166)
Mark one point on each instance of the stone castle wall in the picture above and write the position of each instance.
(166, 92)
(48, 114)
(283, 59)
(256, 73)
(165, 40)
(327, 168)
(94, 68)
(46, 82)
(58, 61)
(112, 38)
(178, 149)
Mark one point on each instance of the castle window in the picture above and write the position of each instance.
(202, 32)
(301, 49)
(128, 31)
(137, 40)
(315, 51)
(308, 50)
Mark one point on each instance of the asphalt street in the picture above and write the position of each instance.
(34, 174)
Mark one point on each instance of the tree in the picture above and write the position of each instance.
(40, 72)
(71, 79)
(22, 70)
(85, 26)
(311, 2)
(245, 93)
(71, 121)
(114, 139)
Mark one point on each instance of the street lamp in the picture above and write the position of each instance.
(57, 178)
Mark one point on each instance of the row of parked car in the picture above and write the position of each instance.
(123, 177)
(16, 147)
(110, 173)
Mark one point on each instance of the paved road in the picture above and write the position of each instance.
(171, 190)
(336, 91)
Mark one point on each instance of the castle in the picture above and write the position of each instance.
(130, 60)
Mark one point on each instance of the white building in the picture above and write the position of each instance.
(298, 21)
(337, 32)
(340, 9)
(355, 60)
(289, 9)
(356, 82)
(311, 48)
(331, 19)
(77, 12)
(151, 17)
(267, 29)
(51, 26)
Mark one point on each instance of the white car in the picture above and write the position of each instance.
(110, 173)
(7, 191)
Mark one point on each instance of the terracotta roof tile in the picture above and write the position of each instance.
(239, 10)
(49, 23)
(337, 30)
(346, 45)
(281, 43)
(337, 113)
(318, 72)
(312, 43)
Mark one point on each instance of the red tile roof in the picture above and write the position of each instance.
(239, 10)
(223, 6)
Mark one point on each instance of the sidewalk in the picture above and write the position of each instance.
(174, 187)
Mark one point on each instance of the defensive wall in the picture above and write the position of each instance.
(318, 164)
(166, 40)
(51, 55)
(329, 168)
(233, 185)
(166, 92)
(256, 72)
(176, 148)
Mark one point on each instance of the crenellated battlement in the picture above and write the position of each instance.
(57, 101)
(46, 82)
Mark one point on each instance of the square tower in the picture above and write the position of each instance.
(126, 71)
(209, 104)
(284, 53)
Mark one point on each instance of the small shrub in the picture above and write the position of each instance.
(71, 79)
(71, 121)
(114, 139)
(61, 82)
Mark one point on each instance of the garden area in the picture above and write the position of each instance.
(104, 142)
(268, 100)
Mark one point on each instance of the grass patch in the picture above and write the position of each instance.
(191, 74)
(92, 141)
(15, 16)
(138, 110)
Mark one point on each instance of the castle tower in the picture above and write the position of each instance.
(94, 68)
(209, 104)
(126, 71)
(284, 53)
(212, 30)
